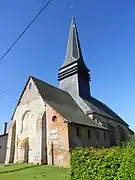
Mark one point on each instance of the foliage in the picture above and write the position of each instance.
(131, 142)
(115, 163)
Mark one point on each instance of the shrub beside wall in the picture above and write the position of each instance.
(103, 164)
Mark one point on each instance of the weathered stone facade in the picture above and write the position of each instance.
(33, 136)
(25, 132)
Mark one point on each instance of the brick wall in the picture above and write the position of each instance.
(57, 138)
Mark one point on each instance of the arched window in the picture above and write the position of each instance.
(30, 85)
(25, 120)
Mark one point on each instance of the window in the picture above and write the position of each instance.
(89, 133)
(97, 135)
(30, 85)
(25, 120)
(104, 135)
(54, 118)
(78, 133)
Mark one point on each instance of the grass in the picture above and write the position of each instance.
(33, 172)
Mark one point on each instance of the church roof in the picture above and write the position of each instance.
(64, 104)
(102, 109)
(2, 135)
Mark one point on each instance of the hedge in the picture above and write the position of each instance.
(115, 163)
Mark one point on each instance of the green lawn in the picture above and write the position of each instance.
(31, 172)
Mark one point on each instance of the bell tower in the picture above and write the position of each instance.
(74, 76)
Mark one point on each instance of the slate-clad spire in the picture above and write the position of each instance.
(73, 49)
(74, 65)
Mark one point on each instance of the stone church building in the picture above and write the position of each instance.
(48, 122)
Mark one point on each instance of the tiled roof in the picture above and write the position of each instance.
(64, 104)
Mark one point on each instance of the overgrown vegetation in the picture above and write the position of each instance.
(115, 163)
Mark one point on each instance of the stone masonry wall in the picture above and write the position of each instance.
(28, 117)
(87, 136)
(115, 124)
(57, 138)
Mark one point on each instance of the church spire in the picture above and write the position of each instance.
(74, 52)
(74, 75)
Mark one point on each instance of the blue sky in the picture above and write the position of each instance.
(107, 34)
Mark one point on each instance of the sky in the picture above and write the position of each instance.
(107, 35)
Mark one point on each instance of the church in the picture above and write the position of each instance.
(49, 122)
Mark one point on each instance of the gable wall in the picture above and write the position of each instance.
(29, 94)
(32, 102)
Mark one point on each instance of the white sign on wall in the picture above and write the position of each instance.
(54, 131)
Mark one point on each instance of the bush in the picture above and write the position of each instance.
(103, 164)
